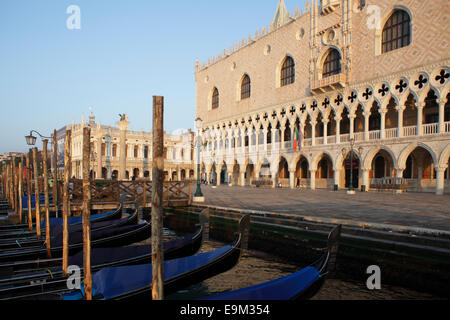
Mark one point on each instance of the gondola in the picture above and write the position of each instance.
(108, 237)
(134, 282)
(300, 285)
(102, 257)
(33, 200)
(57, 231)
(111, 215)
(44, 280)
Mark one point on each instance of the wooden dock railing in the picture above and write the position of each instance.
(175, 193)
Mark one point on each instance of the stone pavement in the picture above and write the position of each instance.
(418, 210)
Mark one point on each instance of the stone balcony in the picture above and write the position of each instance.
(373, 136)
(334, 82)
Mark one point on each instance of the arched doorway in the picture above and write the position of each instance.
(382, 165)
(324, 173)
(224, 174)
(301, 173)
(351, 170)
(420, 170)
(235, 177)
(115, 175)
(283, 173)
(265, 176)
(183, 174)
(249, 174)
(135, 174)
(213, 175)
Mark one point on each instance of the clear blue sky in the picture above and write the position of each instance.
(126, 52)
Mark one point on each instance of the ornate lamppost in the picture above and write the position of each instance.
(351, 189)
(31, 141)
(198, 196)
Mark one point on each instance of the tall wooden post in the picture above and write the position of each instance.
(87, 213)
(144, 194)
(11, 183)
(14, 184)
(65, 213)
(55, 172)
(47, 204)
(29, 191)
(157, 194)
(37, 193)
(20, 190)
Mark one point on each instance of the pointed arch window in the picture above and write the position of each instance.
(332, 64)
(288, 72)
(396, 31)
(215, 99)
(245, 87)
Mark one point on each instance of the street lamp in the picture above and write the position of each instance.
(198, 196)
(31, 140)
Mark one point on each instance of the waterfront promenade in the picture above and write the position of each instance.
(407, 210)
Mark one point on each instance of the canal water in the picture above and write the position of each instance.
(256, 267)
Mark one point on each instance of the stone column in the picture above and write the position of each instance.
(218, 176)
(399, 173)
(325, 132)
(441, 103)
(338, 129)
(440, 181)
(242, 178)
(383, 124)
(337, 177)
(420, 119)
(352, 126)
(275, 179)
(292, 179)
(312, 180)
(400, 121)
(123, 126)
(313, 132)
(365, 180)
(282, 129)
(366, 126)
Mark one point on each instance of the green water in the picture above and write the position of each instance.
(257, 266)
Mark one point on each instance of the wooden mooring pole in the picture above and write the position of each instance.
(29, 191)
(55, 172)
(47, 204)
(157, 194)
(86, 215)
(14, 185)
(65, 213)
(37, 193)
(20, 190)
